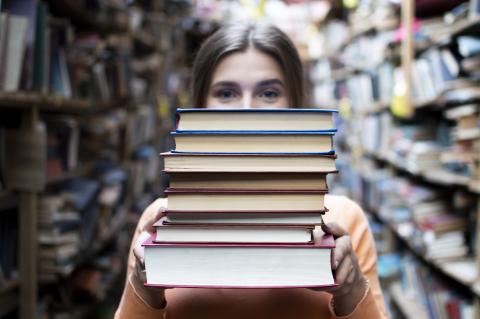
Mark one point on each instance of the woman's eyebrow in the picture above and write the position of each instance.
(270, 82)
(225, 84)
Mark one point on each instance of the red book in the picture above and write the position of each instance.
(246, 217)
(239, 265)
(208, 233)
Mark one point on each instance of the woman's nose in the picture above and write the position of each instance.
(246, 101)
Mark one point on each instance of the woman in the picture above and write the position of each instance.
(253, 66)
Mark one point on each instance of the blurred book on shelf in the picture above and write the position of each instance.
(63, 134)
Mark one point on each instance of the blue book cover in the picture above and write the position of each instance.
(295, 120)
(244, 142)
(325, 132)
(290, 110)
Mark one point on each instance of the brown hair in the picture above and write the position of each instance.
(238, 37)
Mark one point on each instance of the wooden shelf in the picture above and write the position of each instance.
(409, 306)
(460, 27)
(50, 103)
(439, 267)
(84, 18)
(438, 177)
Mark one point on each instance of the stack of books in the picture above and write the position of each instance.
(247, 189)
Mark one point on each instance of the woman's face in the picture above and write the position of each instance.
(249, 79)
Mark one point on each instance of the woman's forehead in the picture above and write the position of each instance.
(249, 67)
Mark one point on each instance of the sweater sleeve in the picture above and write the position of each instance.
(351, 216)
(131, 305)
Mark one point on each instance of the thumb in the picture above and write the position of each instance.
(138, 249)
(334, 229)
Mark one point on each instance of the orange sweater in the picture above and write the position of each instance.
(190, 303)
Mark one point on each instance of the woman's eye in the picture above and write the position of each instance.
(269, 95)
(225, 95)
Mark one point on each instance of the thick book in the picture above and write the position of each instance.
(240, 181)
(266, 163)
(206, 233)
(255, 119)
(14, 51)
(246, 218)
(256, 142)
(239, 265)
(245, 200)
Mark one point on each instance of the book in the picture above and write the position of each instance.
(254, 142)
(286, 163)
(62, 145)
(14, 51)
(4, 17)
(59, 253)
(246, 200)
(41, 44)
(462, 111)
(27, 9)
(255, 119)
(228, 218)
(232, 234)
(284, 181)
(239, 265)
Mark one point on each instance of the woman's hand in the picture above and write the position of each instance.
(153, 297)
(352, 284)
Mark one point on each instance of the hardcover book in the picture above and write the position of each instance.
(233, 200)
(255, 119)
(252, 163)
(231, 218)
(232, 234)
(254, 142)
(242, 181)
(239, 265)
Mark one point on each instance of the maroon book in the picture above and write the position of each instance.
(240, 265)
(208, 233)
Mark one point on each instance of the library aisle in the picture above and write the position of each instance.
(88, 94)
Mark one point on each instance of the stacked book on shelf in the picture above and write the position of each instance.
(462, 159)
(59, 237)
(247, 190)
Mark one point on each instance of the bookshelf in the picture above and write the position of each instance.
(442, 269)
(437, 177)
(399, 140)
(85, 19)
(106, 93)
(51, 103)
(409, 307)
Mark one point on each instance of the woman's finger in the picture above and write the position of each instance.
(155, 211)
(334, 229)
(140, 272)
(138, 249)
(343, 270)
(343, 247)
